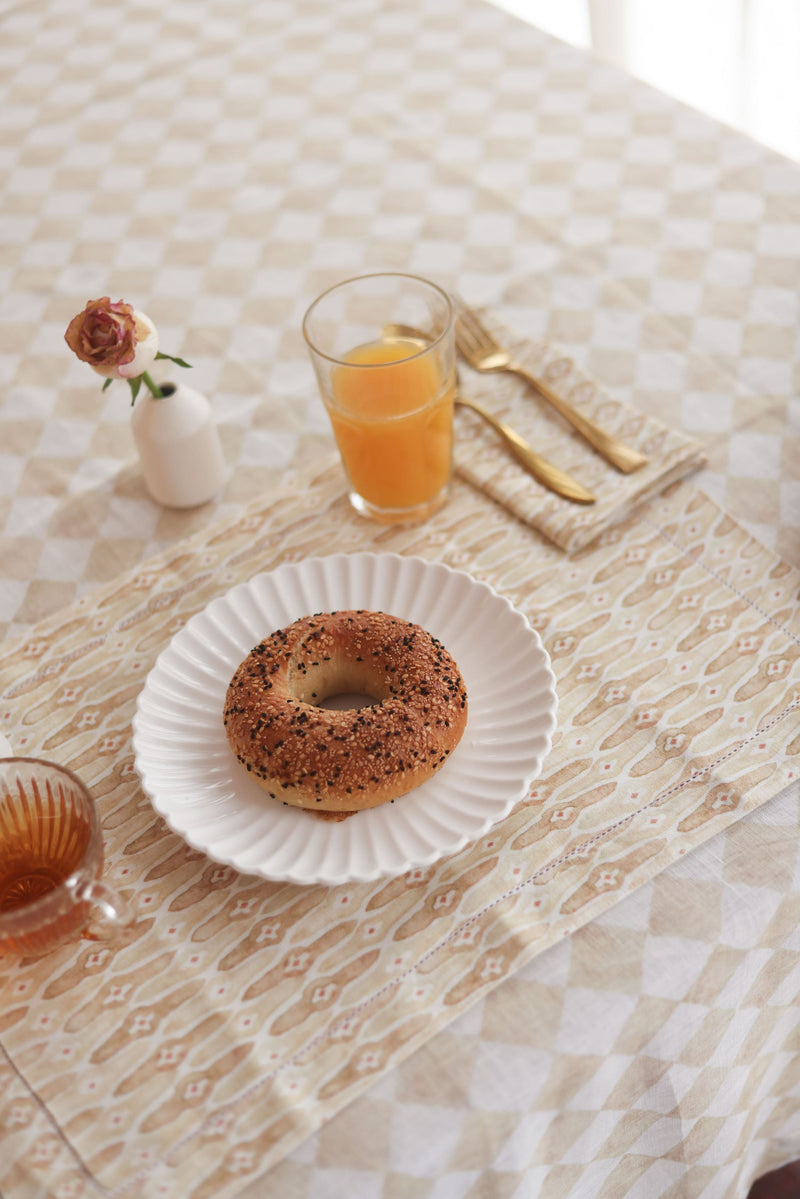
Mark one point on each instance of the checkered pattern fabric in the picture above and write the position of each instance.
(218, 163)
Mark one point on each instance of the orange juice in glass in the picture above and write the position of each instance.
(383, 351)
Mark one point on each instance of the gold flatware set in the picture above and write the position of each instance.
(482, 352)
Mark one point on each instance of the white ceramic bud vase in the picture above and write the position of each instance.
(178, 446)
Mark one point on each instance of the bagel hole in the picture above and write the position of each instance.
(347, 699)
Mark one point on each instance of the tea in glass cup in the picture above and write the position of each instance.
(383, 350)
(51, 860)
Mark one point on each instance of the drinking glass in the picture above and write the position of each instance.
(383, 351)
(51, 860)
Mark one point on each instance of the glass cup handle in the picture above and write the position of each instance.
(114, 912)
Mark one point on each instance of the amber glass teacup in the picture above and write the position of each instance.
(51, 860)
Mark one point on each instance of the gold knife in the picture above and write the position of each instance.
(542, 470)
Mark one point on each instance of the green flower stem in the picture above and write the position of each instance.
(155, 390)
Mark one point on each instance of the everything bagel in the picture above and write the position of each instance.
(338, 762)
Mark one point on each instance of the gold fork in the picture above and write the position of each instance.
(484, 353)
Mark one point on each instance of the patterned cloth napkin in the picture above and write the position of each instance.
(482, 458)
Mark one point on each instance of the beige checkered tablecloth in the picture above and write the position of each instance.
(218, 164)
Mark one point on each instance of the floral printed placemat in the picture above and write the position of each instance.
(237, 1013)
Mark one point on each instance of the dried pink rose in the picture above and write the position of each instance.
(116, 341)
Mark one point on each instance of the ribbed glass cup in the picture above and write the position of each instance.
(383, 350)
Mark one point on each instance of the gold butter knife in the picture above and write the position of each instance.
(543, 471)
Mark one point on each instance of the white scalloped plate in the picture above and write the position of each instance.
(194, 781)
